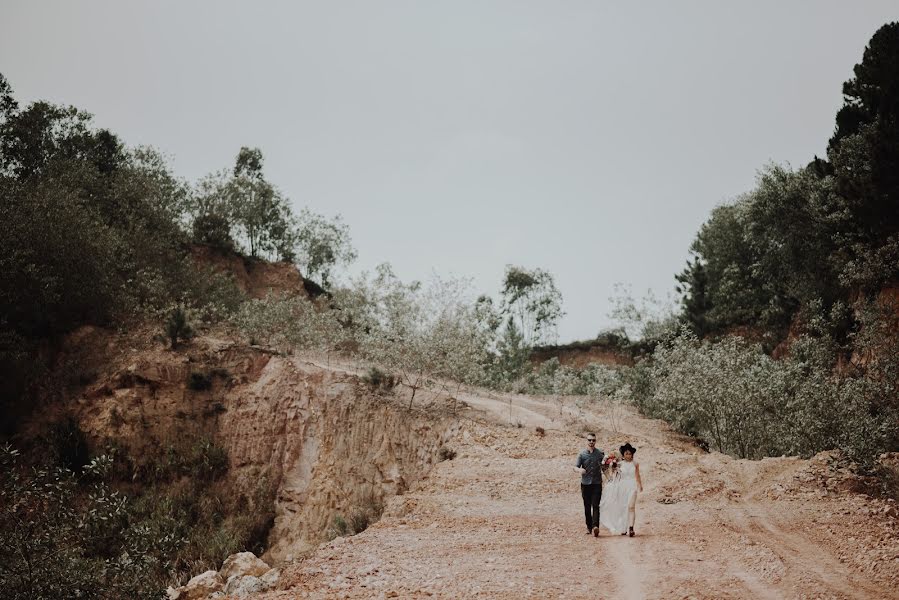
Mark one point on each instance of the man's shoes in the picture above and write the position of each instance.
(589, 532)
(630, 531)
(596, 532)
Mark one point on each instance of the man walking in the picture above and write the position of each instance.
(589, 465)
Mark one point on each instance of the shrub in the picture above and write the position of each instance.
(640, 383)
(213, 229)
(446, 453)
(67, 445)
(199, 381)
(216, 408)
(367, 512)
(379, 380)
(613, 338)
(214, 296)
(256, 527)
(339, 527)
(742, 402)
(360, 519)
(177, 326)
(552, 378)
(208, 461)
(201, 459)
(211, 542)
(74, 536)
(211, 521)
(293, 322)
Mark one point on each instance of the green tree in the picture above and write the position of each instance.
(8, 104)
(693, 285)
(210, 211)
(33, 139)
(512, 354)
(873, 93)
(260, 214)
(736, 295)
(59, 262)
(795, 269)
(531, 300)
(177, 326)
(322, 245)
(864, 149)
(92, 235)
(213, 229)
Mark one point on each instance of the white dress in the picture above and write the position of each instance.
(616, 496)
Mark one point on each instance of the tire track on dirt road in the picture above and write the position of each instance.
(805, 561)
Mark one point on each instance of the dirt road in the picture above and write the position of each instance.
(504, 520)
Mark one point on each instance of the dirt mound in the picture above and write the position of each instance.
(257, 278)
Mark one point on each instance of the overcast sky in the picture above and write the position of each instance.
(588, 138)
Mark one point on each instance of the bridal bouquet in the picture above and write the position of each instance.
(610, 464)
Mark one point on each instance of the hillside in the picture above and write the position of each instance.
(581, 354)
(284, 424)
(255, 278)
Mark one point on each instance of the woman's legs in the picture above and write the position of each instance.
(632, 509)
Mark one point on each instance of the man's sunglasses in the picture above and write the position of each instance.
(591, 441)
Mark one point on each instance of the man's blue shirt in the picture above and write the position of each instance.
(592, 462)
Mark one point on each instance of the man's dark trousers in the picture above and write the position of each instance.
(591, 493)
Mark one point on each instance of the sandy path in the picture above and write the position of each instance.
(504, 520)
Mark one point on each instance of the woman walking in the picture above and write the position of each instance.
(618, 508)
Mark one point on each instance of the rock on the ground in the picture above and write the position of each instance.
(241, 574)
(243, 563)
(200, 587)
(242, 586)
(271, 577)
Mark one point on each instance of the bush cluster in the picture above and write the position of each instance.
(554, 379)
(197, 458)
(368, 511)
(75, 537)
(740, 401)
(199, 382)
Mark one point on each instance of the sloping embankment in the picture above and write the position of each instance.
(311, 441)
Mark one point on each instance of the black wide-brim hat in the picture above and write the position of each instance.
(627, 448)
